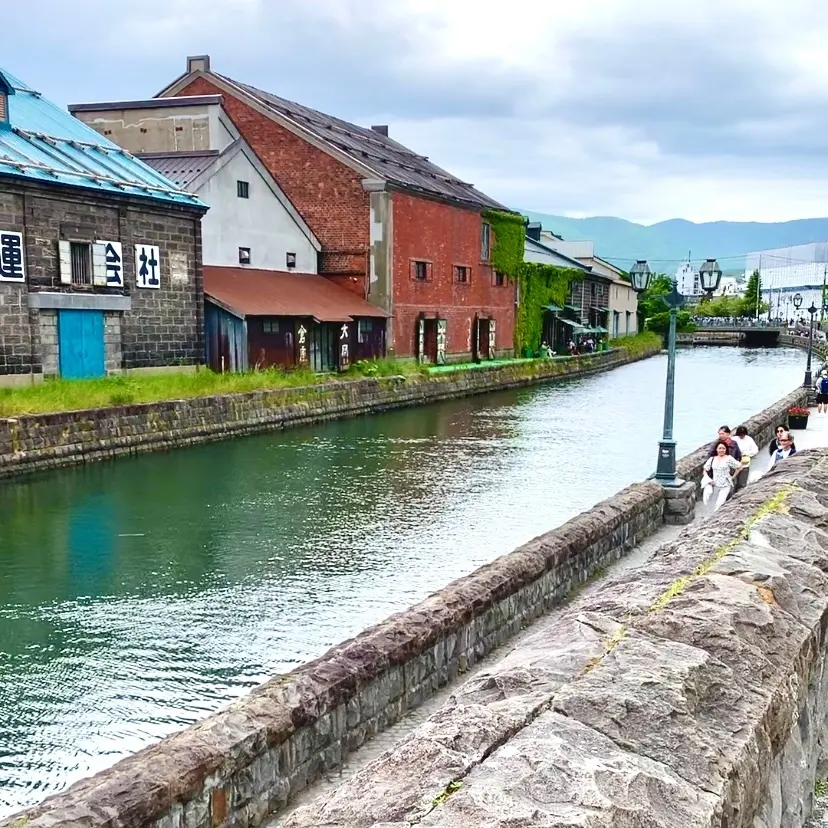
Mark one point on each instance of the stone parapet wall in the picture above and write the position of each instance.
(690, 692)
(239, 765)
(34, 443)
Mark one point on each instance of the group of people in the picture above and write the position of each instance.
(728, 467)
(587, 345)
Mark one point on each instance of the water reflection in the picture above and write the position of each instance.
(139, 595)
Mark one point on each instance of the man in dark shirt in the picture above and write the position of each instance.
(732, 447)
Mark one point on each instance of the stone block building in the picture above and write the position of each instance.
(100, 255)
(395, 229)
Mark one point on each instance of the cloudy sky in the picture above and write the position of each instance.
(645, 109)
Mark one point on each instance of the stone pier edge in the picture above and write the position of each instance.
(243, 763)
(45, 441)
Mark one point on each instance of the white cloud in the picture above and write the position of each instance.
(640, 108)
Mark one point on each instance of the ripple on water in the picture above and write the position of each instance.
(141, 595)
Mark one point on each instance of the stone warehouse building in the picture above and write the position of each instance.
(100, 255)
(395, 229)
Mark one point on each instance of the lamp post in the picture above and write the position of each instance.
(809, 380)
(710, 274)
(640, 275)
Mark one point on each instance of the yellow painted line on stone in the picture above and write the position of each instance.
(776, 505)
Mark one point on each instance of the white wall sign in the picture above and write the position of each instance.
(110, 270)
(147, 266)
(12, 257)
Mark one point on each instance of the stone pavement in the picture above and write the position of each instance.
(815, 436)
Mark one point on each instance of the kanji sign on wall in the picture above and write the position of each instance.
(147, 266)
(12, 258)
(113, 264)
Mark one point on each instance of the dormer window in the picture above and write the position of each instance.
(6, 90)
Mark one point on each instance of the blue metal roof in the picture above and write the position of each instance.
(43, 142)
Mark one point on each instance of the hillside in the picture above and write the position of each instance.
(667, 243)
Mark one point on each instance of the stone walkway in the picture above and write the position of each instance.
(815, 436)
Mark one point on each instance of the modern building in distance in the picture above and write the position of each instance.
(100, 255)
(786, 271)
(687, 277)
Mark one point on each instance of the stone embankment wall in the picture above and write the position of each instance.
(690, 692)
(241, 764)
(820, 349)
(33, 443)
(711, 338)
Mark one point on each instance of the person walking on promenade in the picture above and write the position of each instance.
(786, 448)
(719, 475)
(748, 449)
(775, 443)
(732, 447)
(822, 392)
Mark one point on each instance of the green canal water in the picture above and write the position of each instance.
(140, 595)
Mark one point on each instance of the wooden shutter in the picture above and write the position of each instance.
(99, 265)
(65, 258)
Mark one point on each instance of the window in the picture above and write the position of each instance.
(420, 271)
(80, 257)
(498, 279)
(244, 255)
(485, 241)
(364, 327)
(462, 274)
(290, 260)
(597, 290)
(270, 326)
(243, 189)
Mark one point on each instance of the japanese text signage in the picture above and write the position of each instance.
(12, 258)
(114, 262)
(147, 266)
(303, 344)
(344, 353)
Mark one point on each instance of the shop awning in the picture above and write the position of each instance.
(573, 308)
(600, 310)
(576, 326)
(251, 292)
(552, 308)
(599, 330)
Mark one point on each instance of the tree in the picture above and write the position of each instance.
(752, 300)
(650, 303)
(660, 322)
(721, 306)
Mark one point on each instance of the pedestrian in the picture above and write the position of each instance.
(749, 449)
(732, 447)
(720, 469)
(786, 448)
(775, 443)
(822, 392)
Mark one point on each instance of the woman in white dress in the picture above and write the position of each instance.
(747, 445)
(720, 470)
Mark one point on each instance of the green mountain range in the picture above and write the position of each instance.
(668, 243)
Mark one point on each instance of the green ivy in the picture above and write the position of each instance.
(539, 285)
(509, 232)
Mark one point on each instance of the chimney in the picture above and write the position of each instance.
(198, 63)
(533, 230)
(382, 129)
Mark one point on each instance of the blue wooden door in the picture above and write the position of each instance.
(81, 344)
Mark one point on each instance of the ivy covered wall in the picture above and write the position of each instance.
(538, 284)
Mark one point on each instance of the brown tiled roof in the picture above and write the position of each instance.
(249, 292)
(389, 159)
(181, 167)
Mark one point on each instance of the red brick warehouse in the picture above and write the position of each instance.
(394, 228)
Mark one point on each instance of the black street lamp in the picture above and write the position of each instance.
(640, 275)
(797, 300)
(710, 274)
(809, 380)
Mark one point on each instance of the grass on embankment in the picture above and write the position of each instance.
(639, 344)
(73, 395)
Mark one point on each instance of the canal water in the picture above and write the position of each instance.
(139, 595)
